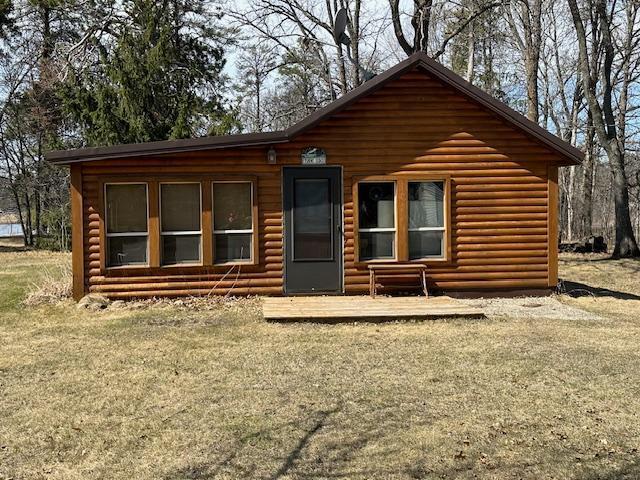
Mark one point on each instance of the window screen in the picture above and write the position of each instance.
(426, 219)
(180, 213)
(376, 220)
(312, 219)
(126, 224)
(232, 221)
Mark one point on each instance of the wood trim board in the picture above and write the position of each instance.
(552, 235)
(77, 235)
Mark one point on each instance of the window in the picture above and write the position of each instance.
(377, 222)
(180, 214)
(127, 230)
(233, 221)
(402, 217)
(426, 220)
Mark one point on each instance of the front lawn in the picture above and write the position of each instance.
(166, 392)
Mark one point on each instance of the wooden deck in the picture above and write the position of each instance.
(322, 309)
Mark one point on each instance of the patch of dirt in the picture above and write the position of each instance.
(190, 311)
(529, 308)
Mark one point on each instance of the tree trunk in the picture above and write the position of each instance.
(531, 70)
(626, 245)
(342, 72)
(471, 50)
(421, 20)
(586, 207)
(604, 123)
(354, 27)
(570, 203)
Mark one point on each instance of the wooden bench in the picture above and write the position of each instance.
(375, 268)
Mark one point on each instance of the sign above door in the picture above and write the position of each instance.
(313, 156)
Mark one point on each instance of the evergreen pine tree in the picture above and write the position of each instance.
(160, 80)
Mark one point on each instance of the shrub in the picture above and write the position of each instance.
(52, 287)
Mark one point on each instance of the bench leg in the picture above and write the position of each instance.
(372, 283)
(424, 284)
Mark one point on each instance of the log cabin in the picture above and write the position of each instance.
(414, 167)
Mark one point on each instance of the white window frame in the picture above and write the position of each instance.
(442, 229)
(108, 235)
(179, 232)
(250, 260)
(393, 230)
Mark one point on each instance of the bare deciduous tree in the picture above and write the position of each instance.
(604, 118)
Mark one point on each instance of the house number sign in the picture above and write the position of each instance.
(313, 156)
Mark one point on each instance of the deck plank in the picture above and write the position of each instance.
(364, 308)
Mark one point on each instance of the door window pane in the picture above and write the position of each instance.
(425, 244)
(180, 205)
(312, 220)
(376, 205)
(127, 250)
(377, 245)
(232, 206)
(126, 206)
(425, 204)
(233, 247)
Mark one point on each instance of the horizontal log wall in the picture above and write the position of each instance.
(499, 179)
(263, 278)
(500, 194)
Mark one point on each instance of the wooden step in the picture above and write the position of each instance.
(333, 309)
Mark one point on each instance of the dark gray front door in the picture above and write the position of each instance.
(312, 229)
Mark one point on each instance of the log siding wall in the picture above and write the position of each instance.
(503, 194)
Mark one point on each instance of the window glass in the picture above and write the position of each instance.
(312, 219)
(376, 205)
(376, 214)
(425, 204)
(425, 244)
(377, 245)
(126, 208)
(180, 207)
(126, 224)
(233, 247)
(232, 206)
(180, 249)
(426, 220)
(180, 214)
(232, 222)
(127, 250)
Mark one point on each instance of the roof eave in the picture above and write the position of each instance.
(66, 157)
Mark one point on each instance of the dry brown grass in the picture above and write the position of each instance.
(603, 286)
(52, 286)
(9, 218)
(134, 393)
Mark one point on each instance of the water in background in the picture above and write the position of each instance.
(10, 230)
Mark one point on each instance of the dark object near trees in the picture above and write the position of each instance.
(591, 245)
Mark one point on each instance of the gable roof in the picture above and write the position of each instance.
(417, 60)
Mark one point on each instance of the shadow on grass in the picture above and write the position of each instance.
(13, 249)
(577, 289)
(294, 454)
(323, 463)
(634, 263)
(627, 471)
